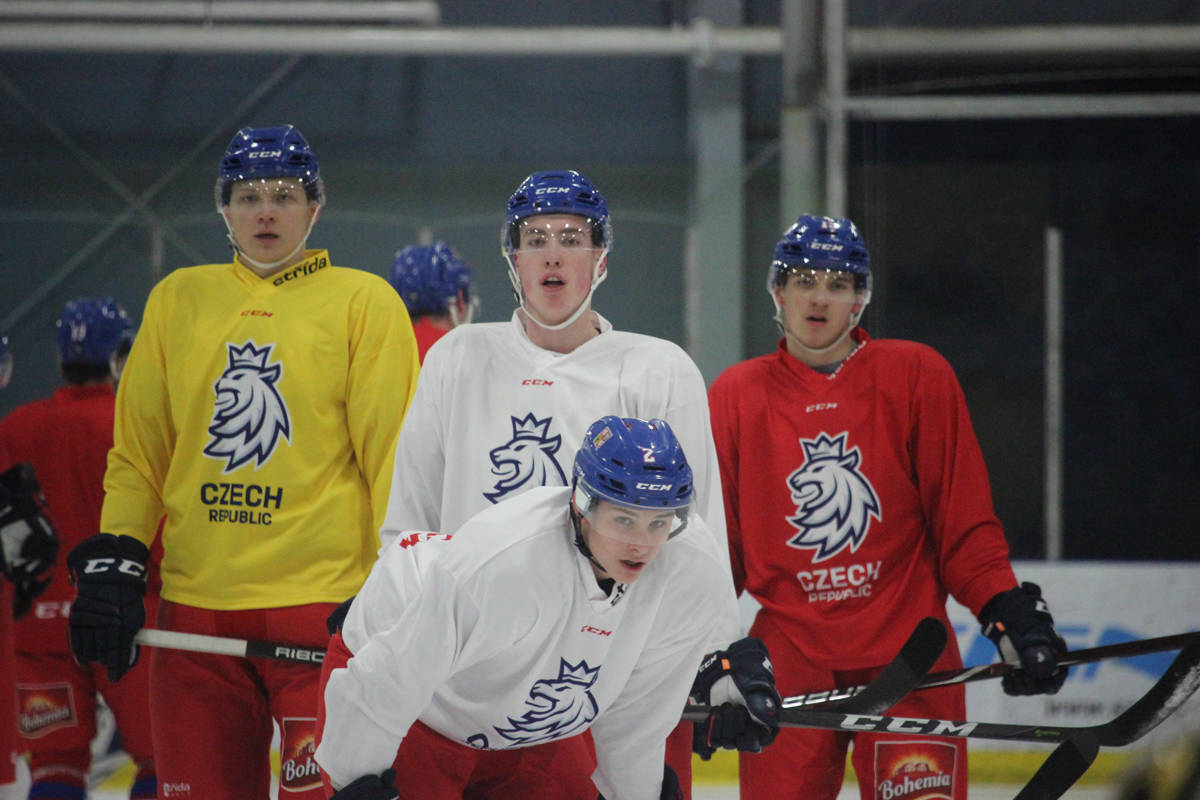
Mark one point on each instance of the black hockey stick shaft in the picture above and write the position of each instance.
(222, 645)
(902, 674)
(1178, 683)
(1138, 647)
(1059, 772)
(919, 653)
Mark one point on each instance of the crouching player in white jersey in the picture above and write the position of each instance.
(469, 664)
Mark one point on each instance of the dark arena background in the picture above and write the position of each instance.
(1025, 176)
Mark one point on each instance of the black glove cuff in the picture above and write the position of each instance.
(108, 559)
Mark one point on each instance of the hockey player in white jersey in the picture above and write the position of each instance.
(470, 664)
(499, 406)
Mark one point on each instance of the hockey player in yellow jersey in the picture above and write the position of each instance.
(257, 418)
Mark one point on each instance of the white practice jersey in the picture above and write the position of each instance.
(495, 415)
(499, 637)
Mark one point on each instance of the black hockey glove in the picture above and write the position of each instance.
(370, 787)
(740, 685)
(29, 542)
(109, 573)
(1019, 623)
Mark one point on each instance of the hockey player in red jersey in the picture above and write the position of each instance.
(19, 523)
(435, 286)
(66, 438)
(856, 499)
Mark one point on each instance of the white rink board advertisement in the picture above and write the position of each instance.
(1094, 603)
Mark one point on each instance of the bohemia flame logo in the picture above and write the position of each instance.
(527, 459)
(834, 502)
(914, 770)
(45, 708)
(249, 415)
(558, 708)
(298, 771)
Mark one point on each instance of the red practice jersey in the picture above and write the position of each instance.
(855, 501)
(427, 333)
(66, 437)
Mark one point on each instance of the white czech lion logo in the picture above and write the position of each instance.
(527, 459)
(249, 416)
(834, 502)
(559, 707)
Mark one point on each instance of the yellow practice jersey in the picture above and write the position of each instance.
(260, 416)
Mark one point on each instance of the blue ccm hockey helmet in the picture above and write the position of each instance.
(273, 152)
(93, 330)
(556, 192)
(428, 278)
(632, 462)
(821, 243)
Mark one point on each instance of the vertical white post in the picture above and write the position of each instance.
(1053, 402)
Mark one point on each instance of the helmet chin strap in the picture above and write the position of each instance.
(580, 544)
(263, 265)
(598, 277)
(817, 351)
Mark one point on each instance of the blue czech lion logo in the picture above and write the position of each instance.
(249, 415)
(527, 459)
(834, 502)
(558, 708)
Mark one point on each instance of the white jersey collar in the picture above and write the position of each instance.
(519, 327)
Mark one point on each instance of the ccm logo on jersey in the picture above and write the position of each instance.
(536, 382)
(597, 631)
(128, 566)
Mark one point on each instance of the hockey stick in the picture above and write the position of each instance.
(221, 645)
(902, 674)
(916, 657)
(950, 677)
(1177, 684)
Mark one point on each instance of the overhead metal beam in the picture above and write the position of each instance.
(701, 40)
(1060, 43)
(1040, 106)
(387, 11)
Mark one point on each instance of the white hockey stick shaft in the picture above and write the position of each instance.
(222, 645)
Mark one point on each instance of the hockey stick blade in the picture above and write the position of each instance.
(1059, 772)
(221, 645)
(1176, 685)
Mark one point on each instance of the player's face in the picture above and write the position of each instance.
(816, 306)
(625, 540)
(555, 260)
(270, 218)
